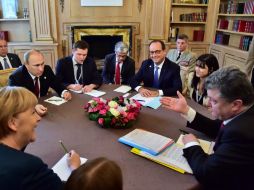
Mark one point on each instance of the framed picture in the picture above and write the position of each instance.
(101, 3)
(10, 8)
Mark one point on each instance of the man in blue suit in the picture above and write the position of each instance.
(158, 72)
(118, 68)
(78, 72)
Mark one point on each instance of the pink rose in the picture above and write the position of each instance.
(101, 121)
(103, 112)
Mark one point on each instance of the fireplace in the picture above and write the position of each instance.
(102, 40)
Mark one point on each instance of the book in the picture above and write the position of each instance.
(61, 168)
(207, 146)
(172, 157)
(147, 141)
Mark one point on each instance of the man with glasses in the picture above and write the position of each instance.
(118, 68)
(7, 60)
(37, 77)
(78, 72)
(158, 73)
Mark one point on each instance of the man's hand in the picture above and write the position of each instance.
(41, 110)
(67, 95)
(148, 93)
(176, 104)
(75, 87)
(189, 138)
(88, 88)
(73, 160)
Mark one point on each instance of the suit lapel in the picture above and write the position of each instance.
(28, 79)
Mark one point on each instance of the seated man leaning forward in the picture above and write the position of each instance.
(37, 77)
(158, 73)
(232, 103)
(79, 72)
(20, 170)
(118, 68)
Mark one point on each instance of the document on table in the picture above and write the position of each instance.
(61, 168)
(55, 100)
(123, 89)
(152, 102)
(207, 146)
(77, 91)
(95, 93)
(144, 140)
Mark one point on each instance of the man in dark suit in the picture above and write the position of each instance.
(232, 99)
(252, 78)
(37, 77)
(7, 60)
(157, 72)
(118, 67)
(78, 72)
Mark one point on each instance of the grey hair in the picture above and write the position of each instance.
(29, 53)
(232, 83)
(121, 47)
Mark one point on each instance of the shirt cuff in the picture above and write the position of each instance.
(137, 88)
(62, 94)
(190, 115)
(161, 93)
(190, 144)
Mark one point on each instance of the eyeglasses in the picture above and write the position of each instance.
(156, 52)
(3, 47)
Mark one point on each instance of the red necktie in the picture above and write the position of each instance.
(117, 74)
(36, 87)
(217, 140)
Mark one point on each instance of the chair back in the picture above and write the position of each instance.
(4, 76)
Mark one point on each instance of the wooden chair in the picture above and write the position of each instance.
(4, 76)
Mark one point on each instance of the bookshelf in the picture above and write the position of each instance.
(234, 33)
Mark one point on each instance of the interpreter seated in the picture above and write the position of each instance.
(158, 73)
(18, 121)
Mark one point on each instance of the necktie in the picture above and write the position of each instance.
(217, 140)
(117, 74)
(6, 65)
(36, 87)
(178, 56)
(156, 77)
(78, 74)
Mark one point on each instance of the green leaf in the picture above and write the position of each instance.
(93, 116)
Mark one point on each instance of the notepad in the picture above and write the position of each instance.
(55, 100)
(144, 140)
(61, 168)
(95, 93)
(152, 102)
(123, 89)
(207, 146)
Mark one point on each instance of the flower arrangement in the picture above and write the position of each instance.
(116, 113)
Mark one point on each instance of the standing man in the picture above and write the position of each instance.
(232, 99)
(184, 58)
(8, 60)
(37, 77)
(118, 68)
(78, 72)
(157, 72)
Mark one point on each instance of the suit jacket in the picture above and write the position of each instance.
(231, 166)
(14, 60)
(252, 78)
(19, 170)
(169, 81)
(65, 72)
(186, 57)
(21, 77)
(127, 71)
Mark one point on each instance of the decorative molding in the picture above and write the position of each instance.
(140, 2)
(62, 5)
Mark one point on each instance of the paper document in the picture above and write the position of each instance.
(147, 141)
(61, 168)
(77, 91)
(152, 102)
(95, 93)
(171, 157)
(123, 89)
(207, 146)
(55, 100)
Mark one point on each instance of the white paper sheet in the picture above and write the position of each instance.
(77, 91)
(95, 93)
(123, 89)
(55, 100)
(61, 168)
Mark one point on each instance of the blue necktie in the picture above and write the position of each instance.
(156, 78)
(6, 65)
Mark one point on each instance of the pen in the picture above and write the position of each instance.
(65, 149)
(141, 100)
(183, 131)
